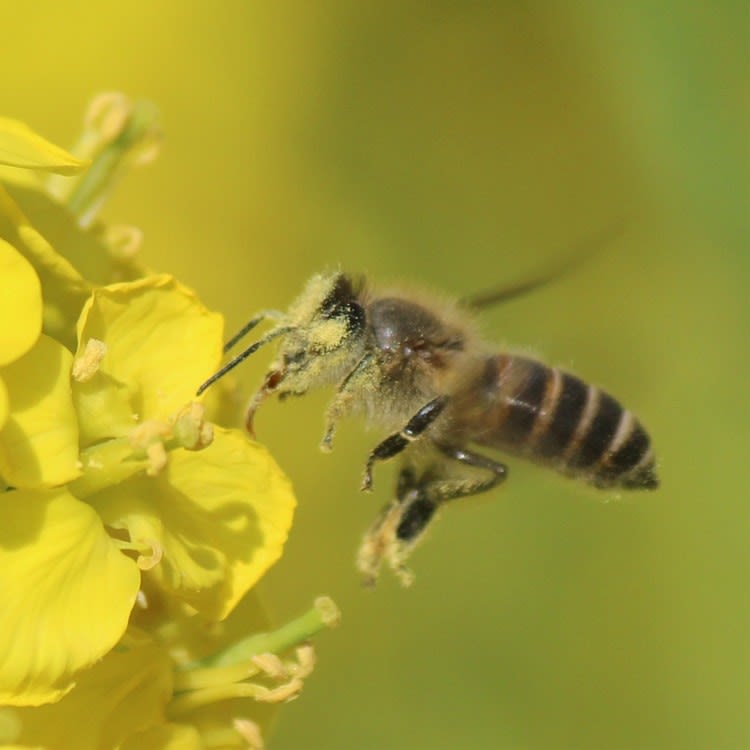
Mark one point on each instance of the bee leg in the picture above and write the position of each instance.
(442, 490)
(418, 503)
(402, 523)
(395, 443)
(407, 480)
(381, 542)
(341, 403)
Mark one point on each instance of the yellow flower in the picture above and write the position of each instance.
(131, 528)
(205, 523)
(150, 692)
(69, 250)
(122, 694)
(45, 535)
(217, 517)
(39, 439)
(38, 430)
(20, 305)
(67, 593)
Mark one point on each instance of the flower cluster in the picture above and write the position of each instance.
(131, 527)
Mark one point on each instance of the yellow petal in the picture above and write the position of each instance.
(64, 289)
(24, 178)
(92, 253)
(4, 406)
(67, 592)
(196, 641)
(167, 737)
(116, 698)
(20, 146)
(39, 441)
(220, 515)
(161, 341)
(103, 409)
(20, 304)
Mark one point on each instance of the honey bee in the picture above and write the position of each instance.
(417, 367)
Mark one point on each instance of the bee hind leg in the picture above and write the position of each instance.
(395, 531)
(452, 489)
(403, 522)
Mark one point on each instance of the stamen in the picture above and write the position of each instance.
(270, 664)
(87, 365)
(250, 732)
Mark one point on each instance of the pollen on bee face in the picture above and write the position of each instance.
(308, 303)
(329, 334)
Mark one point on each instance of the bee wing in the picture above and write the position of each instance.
(502, 294)
(581, 253)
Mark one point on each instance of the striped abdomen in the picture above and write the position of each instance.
(557, 419)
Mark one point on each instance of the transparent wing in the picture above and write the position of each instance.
(574, 258)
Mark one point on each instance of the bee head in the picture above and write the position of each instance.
(324, 318)
(322, 336)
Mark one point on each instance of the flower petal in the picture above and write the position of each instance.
(4, 406)
(39, 441)
(167, 737)
(20, 304)
(220, 515)
(103, 409)
(118, 697)
(64, 289)
(160, 340)
(190, 639)
(67, 592)
(20, 146)
(89, 252)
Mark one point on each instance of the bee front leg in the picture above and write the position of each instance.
(395, 443)
(341, 403)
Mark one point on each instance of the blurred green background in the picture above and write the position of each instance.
(456, 144)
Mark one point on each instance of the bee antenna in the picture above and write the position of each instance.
(242, 356)
(261, 316)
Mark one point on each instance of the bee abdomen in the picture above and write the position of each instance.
(557, 419)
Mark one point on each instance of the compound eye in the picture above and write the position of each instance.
(341, 303)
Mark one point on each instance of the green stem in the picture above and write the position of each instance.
(100, 177)
(325, 614)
